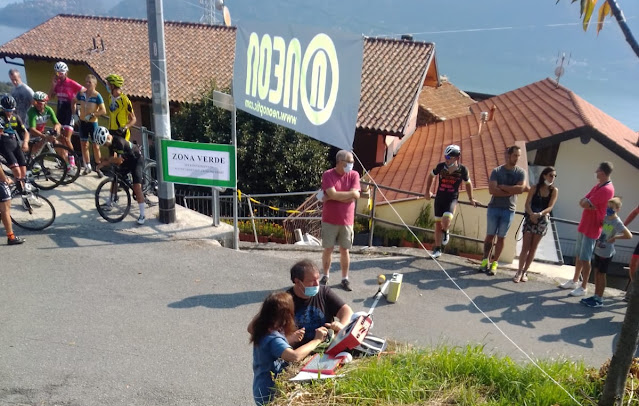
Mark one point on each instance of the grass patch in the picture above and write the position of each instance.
(447, 376)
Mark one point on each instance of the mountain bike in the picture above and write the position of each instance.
(31, 211)
(113, 195)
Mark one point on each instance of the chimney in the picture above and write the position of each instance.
(483, 118)
(94, 44)
(491, 113)
(102, 43)
(407, 37)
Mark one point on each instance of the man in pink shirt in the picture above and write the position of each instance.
(594, 206)
(341, 190)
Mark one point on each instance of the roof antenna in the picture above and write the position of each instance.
(559, 70)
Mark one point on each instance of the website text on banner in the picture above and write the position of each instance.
(304, 79)
(194, 163)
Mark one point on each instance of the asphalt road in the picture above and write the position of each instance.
(92, 314)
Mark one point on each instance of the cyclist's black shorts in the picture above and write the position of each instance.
(10, 150)
(5, 192)
(443, 205)
(65, 114)
(134, 166)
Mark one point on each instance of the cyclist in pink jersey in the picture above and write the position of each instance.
(65, 90)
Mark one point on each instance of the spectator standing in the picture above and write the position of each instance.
(611, 230)
(634, 261)
(5, 210)
(506, 182)
(341, 190)
(539, 203)
(594, 206)
(121, 115)
(65, 89)
(451, 174)
(22, 93)
(91, 107)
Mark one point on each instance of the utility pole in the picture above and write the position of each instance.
(160, 96)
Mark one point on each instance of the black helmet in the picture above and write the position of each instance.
(8, 103)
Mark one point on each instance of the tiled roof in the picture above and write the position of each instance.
(198, 52)
(445, 102)
(393, 71)
(393, 74)
(532, 114)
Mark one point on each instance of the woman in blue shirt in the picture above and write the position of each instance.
(271, 350)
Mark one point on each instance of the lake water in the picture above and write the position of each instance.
(7, 34)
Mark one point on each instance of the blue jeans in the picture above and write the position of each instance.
(584, 247)
(498, 221)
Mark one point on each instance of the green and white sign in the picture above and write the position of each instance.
(193, 163)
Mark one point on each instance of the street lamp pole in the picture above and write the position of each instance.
(160, 97)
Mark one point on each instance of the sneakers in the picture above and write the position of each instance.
(593, 301)
(346, 285)
(493, 268)
(524, 277)
(141, 220)
(569, 284)
(86, 170)
(436, 253)
(108, 205)
(578, 291)
(483, 267)
(445, 237)
(36, 168)
(324, 280)
(15, 241)
(99, 173)
(33, 200)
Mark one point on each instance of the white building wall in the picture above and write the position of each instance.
(576, 164)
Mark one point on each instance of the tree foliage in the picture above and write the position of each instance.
(271, 158)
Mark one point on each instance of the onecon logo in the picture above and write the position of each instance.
(296, 78)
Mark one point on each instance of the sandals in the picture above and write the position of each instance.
(520, 277)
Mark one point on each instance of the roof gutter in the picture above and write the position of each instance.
(11, 62)
(419, 88)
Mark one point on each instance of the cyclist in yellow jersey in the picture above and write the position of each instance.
(121, 115)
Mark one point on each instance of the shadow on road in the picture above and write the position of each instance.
(223, 300)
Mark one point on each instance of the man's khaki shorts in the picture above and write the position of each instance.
(333, 235)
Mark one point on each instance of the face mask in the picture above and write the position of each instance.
(548, 183)
(311, 291)
(610, 211)
(349, 167)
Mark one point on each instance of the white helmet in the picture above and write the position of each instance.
(61, 67)
(100, 135)
(452, 150)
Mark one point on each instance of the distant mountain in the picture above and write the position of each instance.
(30, 13)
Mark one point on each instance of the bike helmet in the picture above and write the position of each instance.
(8, 103)
(115, 80)
(100, 135)
(452, 151)
(61, 67)
(40, 97)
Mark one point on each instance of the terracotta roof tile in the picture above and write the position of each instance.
(531, 113)
(393, 71)
(445, 101)
(198, 52)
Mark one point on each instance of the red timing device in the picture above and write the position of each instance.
(350, 336)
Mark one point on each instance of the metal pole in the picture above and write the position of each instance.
(160, 96)
(236, 233)
(372, 219)
(215, 206)
(248, 200)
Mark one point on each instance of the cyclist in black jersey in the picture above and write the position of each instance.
(451, 174)
(129, 159)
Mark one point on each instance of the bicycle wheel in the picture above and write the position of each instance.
(47, 170)
(73, 172)
(150, 184)
(31, 213)
(113, 207)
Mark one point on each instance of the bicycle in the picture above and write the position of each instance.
(120, 200)
(31, 211)
(46, 170)
(49, 144)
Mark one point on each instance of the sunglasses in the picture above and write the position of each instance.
(450, 156)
